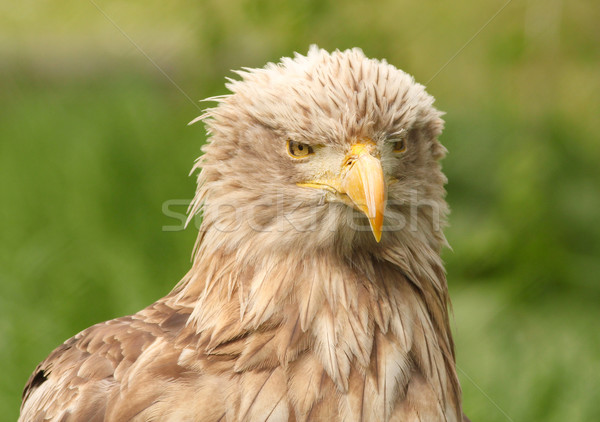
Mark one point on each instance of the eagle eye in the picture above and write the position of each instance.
(298, 149)
(399, 145)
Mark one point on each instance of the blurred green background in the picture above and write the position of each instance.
(93, 141)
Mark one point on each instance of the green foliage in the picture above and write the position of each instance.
(93, 141)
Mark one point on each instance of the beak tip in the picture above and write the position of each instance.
(376, 227)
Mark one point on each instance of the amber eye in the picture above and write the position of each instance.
(298, 150)
(399, 145)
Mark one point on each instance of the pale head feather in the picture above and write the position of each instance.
(247, 185)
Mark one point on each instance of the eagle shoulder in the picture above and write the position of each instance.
(79, 378)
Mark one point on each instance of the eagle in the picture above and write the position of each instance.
(316, 291)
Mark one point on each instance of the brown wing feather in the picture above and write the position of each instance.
(78, 378)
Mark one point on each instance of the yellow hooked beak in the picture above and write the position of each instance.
(361, 180)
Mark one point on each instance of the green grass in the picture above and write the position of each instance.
(531, 360)
(93, 140)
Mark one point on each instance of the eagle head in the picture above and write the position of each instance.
(322, 150)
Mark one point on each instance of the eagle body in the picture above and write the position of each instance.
(303, 303)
